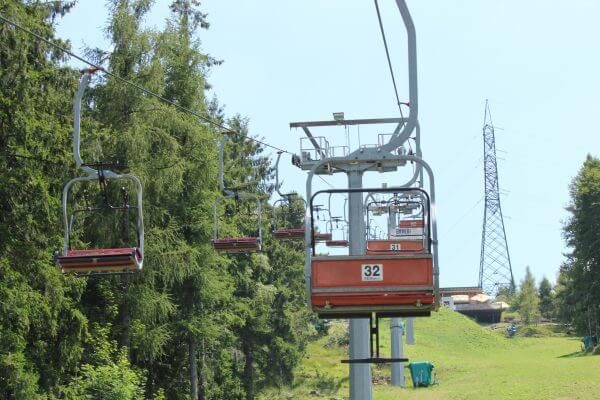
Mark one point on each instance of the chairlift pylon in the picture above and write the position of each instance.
(97, 261)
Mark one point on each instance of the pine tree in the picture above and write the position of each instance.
(546, 295)
(182, 327)
(579, 281)
(38, 309)
(528, 302)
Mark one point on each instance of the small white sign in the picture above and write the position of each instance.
(371, 272)
(395, 247)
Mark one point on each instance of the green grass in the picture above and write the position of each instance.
(471, 362)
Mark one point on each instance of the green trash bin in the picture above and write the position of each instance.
(421, 373)
(589, 342)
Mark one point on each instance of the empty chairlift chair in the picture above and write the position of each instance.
(407, 232)
(286, 206)
(237, 244)
(99, 260)
(337, 224)
(389, 284)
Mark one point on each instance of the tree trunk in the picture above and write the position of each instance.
(201, 383)
(249, 374)
(193, 347)
(125, 316)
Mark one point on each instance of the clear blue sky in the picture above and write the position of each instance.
(536, 61)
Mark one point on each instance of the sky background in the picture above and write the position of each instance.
(536, 61)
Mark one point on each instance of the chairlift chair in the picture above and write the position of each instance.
(238, 244)
(406, 236)
(389, 284)
(99, 260)
(283, 232)
(337, 243)
(286, 200)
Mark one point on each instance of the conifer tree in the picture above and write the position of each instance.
(578, 292)
(528, 302)
(192, 323)
(38, 309)
(546, 295)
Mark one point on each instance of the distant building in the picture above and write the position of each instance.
(464, 290)
(471, 301)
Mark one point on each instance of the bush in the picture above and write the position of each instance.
(327, 383)
(111, 381)
(338, 335)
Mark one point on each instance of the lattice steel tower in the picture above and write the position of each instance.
(495, 270)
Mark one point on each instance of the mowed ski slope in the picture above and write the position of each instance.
(472, 362)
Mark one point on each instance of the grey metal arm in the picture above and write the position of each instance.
(277, 184)
(402, 134)
(83, 82)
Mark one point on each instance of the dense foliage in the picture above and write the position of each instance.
(547, 298)
(578, 289)
(527, 300)
(192, 323)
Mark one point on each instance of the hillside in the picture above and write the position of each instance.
(472, 362)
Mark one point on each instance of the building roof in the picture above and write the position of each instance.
(468, 290)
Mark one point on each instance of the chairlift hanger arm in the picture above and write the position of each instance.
(401, 136)
(92, 169)
(277, 183)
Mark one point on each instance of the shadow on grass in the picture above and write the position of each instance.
(327, 383)
(573, 355)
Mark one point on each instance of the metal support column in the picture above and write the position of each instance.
(396, 329)
(410, 331)
(360, 329)
(396, 333)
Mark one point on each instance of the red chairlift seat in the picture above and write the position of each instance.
(237, 245)
(337, 243)
(322, 237)
(395, 246)
(392, 284)
(289, 233)
(92, 261)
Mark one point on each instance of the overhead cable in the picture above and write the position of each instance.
(226, 129)
(387, 54)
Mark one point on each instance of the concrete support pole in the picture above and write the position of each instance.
(396, 333)
(360, 374)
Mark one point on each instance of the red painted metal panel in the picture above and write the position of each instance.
(289, 233)
(424, 299)
(403, 246)
(404, 281)
(101, 260)
(412, 223)
(396, 272)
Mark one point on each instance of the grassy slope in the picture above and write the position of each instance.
(471, 363)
